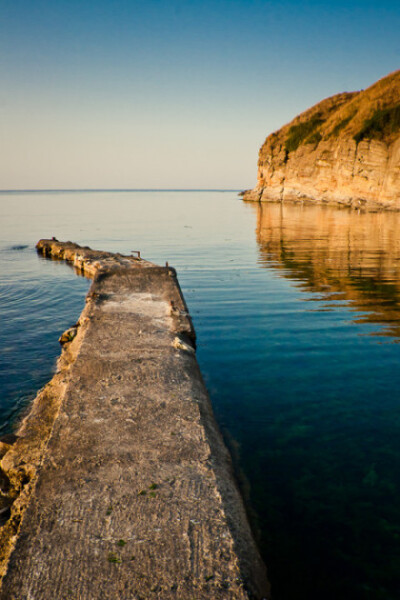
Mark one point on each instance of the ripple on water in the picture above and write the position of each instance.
(293, 308)
(38, 300)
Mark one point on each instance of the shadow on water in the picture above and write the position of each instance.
(18, 247)
(324, 459)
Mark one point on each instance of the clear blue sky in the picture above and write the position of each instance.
(166, 94)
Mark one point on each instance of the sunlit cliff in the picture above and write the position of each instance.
(345, 149)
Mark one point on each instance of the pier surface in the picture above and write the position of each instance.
(122, 487)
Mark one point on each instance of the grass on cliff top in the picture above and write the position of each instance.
(382, 124)
(303, 133)
(341, 125)
(314, 138)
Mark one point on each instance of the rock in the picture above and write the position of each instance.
(9, 438)
(181, 345)
(68, 335)
(4, 448)
(344, 150)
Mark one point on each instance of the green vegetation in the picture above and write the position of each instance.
(299, 134)
(152, 493)
(121, 543)
(314, 138)
(341, 125)
(381, 124)
(114, 558)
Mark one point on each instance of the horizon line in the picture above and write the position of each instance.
(120, 190)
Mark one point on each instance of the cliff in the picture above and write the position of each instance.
(345, 150)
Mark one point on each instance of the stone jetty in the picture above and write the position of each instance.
(118, 482)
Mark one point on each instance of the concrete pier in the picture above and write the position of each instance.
(120, 483)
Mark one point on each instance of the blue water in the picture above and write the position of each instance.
(297, 315)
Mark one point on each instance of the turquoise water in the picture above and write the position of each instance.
(298, 322)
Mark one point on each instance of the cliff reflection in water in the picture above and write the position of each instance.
(321, 432)
(342, 255)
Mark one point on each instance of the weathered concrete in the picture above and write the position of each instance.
(122, 486)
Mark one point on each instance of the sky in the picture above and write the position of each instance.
(172, 94)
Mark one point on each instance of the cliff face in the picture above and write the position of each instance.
(345, 150)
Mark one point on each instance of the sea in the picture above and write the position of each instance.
(297, 314)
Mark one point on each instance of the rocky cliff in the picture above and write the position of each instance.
(345, 149)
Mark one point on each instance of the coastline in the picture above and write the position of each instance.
(149, 452)
(296, 196)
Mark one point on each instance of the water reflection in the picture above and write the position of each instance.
(342, 255)
(320, 433)
(297, 381)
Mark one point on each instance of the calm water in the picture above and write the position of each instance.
(298, 321)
